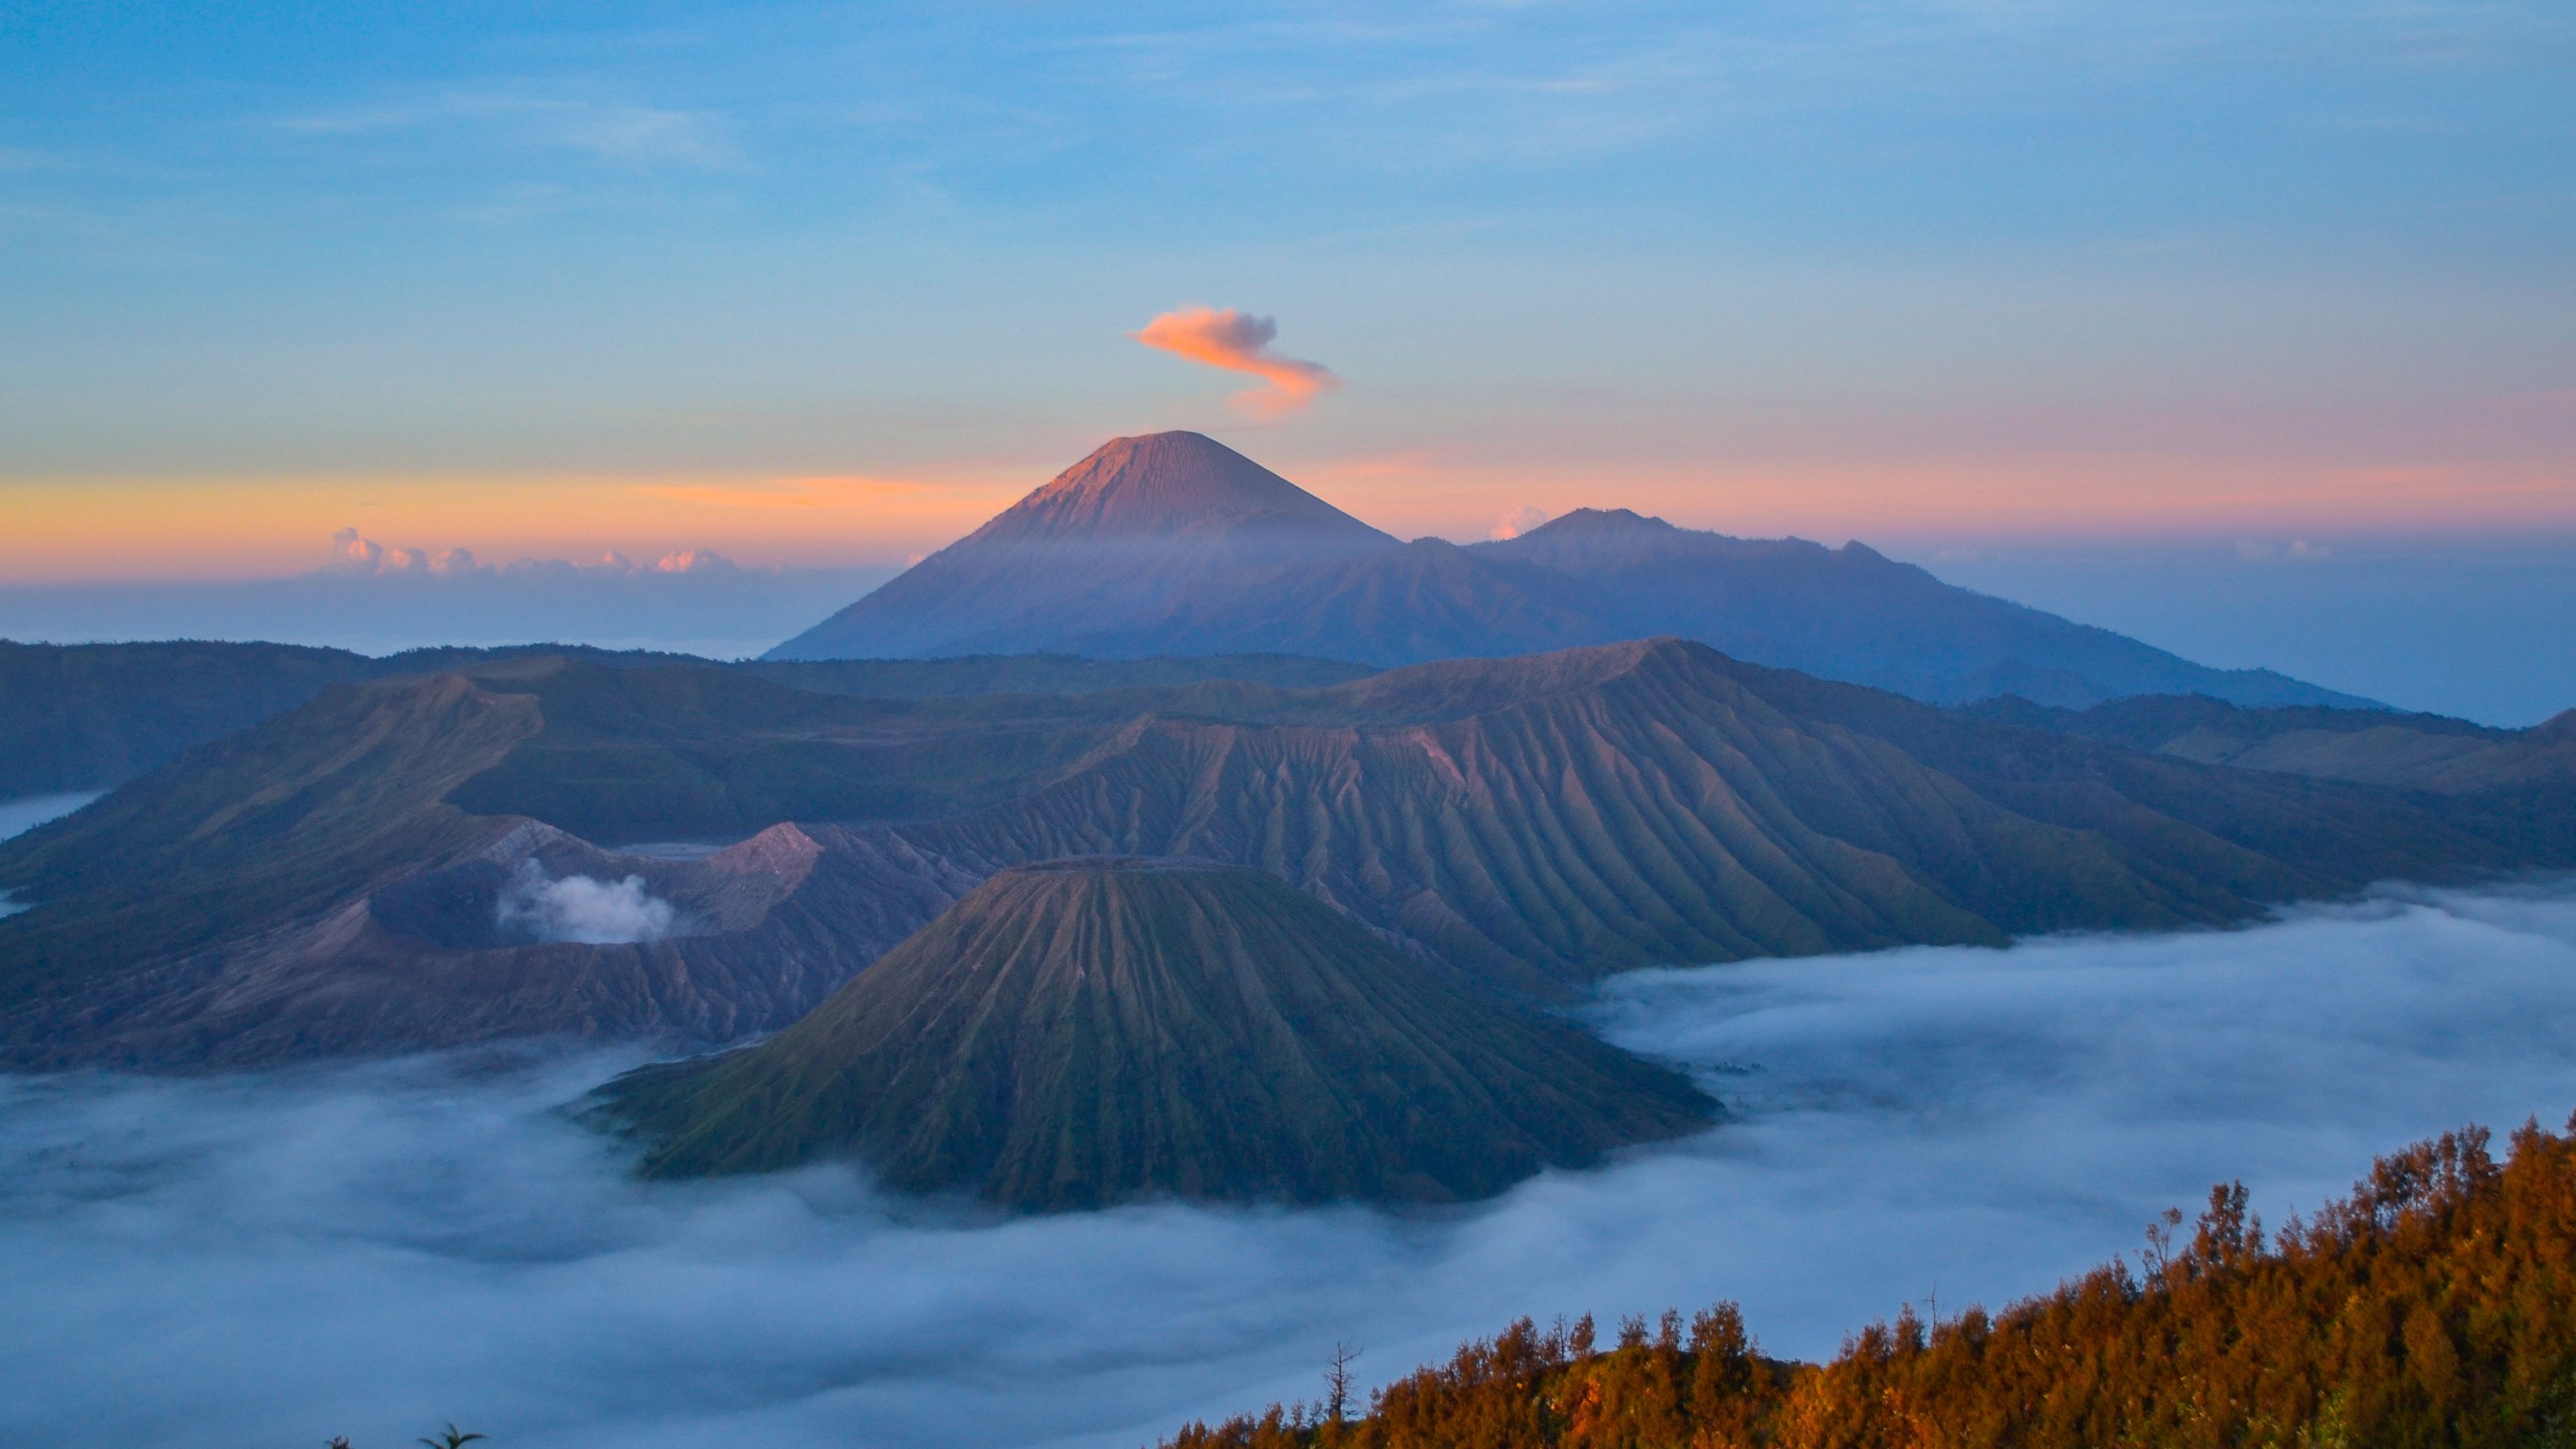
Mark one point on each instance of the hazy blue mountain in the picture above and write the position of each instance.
(1117, 532)
(1173, 544)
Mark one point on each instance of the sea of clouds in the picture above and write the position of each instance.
(375, 1250)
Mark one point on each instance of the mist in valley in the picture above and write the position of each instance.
(375, 1250)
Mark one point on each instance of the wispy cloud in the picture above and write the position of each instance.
(1240, 342)
(618, 131)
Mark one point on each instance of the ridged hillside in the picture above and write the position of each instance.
(1563, 816)
(1536, 821)
(1089, 1031)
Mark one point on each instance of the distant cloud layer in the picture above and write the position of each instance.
(355, 554)
(375, 1250)
(1240, 342)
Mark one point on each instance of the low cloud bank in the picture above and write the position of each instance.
(372, 1251)
(355, 555)
(581, 908)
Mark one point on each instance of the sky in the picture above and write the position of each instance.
(817, 288)
(379, 1249)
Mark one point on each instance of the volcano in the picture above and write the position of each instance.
(1088, 1031)
(1113, 535)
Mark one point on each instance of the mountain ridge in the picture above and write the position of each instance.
(1534, 822)
(1051, 573)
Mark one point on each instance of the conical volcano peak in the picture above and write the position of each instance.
(1105, 544)
(1094, 1030)
(1161, 483)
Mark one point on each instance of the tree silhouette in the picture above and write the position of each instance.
(451, 1439)
(1337, 1381)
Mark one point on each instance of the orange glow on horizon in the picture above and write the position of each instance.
(64, 530)
(198, 528)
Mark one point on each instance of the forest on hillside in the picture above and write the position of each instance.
(2434, 1308)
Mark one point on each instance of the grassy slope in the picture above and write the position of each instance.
(1077, 1034)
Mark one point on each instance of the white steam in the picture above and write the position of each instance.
(373, 1251)
(582, 908)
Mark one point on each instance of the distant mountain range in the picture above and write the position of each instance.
(1174, 544)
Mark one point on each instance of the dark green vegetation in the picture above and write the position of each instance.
(1088, 1031)
(1175, 544)
(92, 716)
(2408, 751)
(2433, 1309)
(313, 885)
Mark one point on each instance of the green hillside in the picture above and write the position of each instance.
(1090, 1031)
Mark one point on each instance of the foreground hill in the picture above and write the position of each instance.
(2435, 1306)
(1173, 544)
(1087, 1031)
(1535, 823)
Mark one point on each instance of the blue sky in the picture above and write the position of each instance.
(1930, 274)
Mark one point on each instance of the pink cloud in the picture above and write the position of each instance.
(1240, 342)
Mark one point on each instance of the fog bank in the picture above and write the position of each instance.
(375, 1250)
